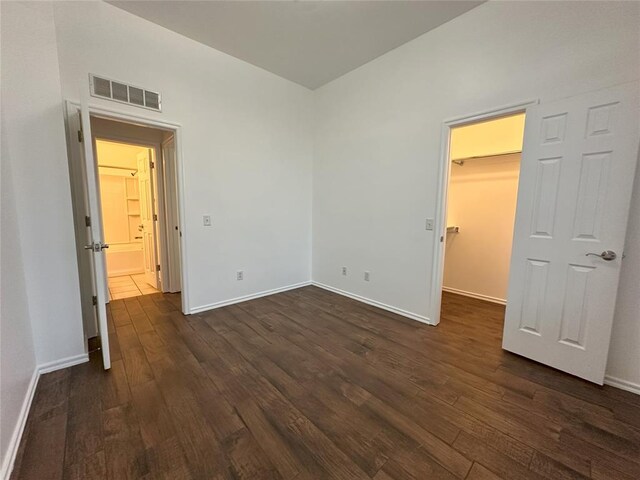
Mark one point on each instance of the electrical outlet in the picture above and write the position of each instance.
(239, 275)
(429, 224)
(344, 271)
(367, 276)
(206, 220)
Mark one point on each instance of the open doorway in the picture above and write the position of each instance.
(481, 198)
(139, 203)
(129, 205)
(573, 195)
(126, 199)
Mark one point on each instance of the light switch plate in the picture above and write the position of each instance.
(429, 224)
(206, 220)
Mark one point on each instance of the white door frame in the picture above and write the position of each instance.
(176, 129)
(444, 169)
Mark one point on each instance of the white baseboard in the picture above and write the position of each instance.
(63, 363)
(478, 296)
(375, 303)
(14, 442)
(224, 303)
(622, 384)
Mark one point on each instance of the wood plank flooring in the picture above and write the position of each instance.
(311, 385)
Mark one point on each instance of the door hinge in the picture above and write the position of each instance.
(87, 221)
(157, 268)
(80, 136)
(155, 217)
(152, 164)
(94, 300)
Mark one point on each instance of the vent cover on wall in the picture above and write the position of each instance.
(121, 92)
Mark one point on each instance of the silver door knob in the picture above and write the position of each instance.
(607, 255)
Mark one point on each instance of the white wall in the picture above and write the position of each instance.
(35, 142)
(482, 202)
(247, 145)
(40, 309)
(624, 351)
(378, 131)
(17, 357)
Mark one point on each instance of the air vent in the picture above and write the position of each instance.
(123, 93)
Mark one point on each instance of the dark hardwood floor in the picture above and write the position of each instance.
(311, 385)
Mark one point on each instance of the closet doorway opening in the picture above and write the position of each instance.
(481, 197)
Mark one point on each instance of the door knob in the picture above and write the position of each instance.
(96, 247)
(607, 255)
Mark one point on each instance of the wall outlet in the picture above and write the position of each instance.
(239, 275)
(429, 224)
(206, 220)
(344, 271)
(367, 276)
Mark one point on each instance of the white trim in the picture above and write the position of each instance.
(16, 437)
(244, 298)
(437, 272)
(14, 441)
(622, 384)
(62, 363)
(375, 303)
(478, 296)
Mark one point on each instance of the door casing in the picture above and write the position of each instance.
(444, 170)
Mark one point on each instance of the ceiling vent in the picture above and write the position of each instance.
(121, 92)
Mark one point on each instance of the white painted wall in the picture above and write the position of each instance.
(35, 141)
(482, 202)
(624, 352)
(17, 356)
(378, 133)
(40, 309)
(247, 145)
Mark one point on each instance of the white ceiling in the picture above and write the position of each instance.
(308, 42)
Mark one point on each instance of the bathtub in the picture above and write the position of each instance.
(124, 259)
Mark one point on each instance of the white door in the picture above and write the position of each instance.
(172, 277)
(578, 164)
(95, 245)
(147, 214)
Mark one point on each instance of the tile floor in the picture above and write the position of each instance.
(127, 286)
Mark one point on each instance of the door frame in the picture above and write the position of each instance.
(176, 129)
(444, 171)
